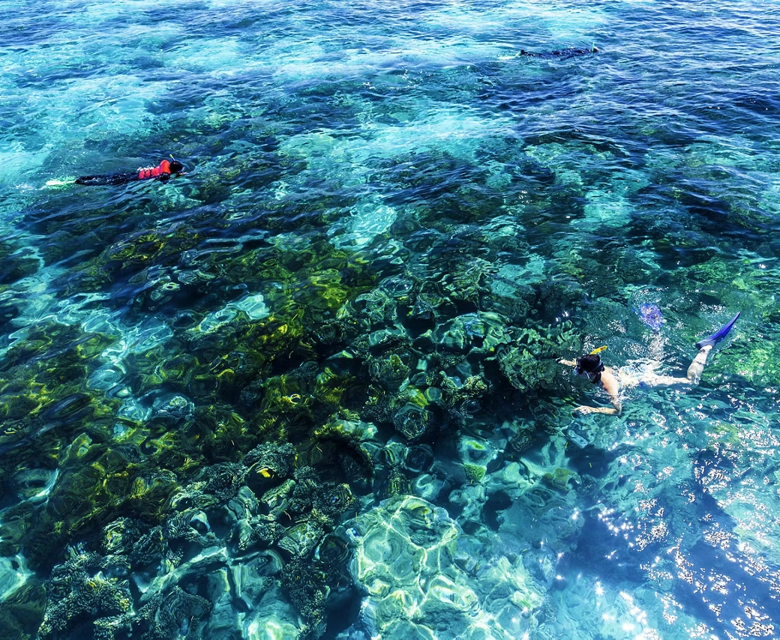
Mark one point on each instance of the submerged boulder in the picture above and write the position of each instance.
(407, 562)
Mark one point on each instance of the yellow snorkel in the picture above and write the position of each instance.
(598, 350)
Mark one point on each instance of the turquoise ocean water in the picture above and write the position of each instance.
(310, 389)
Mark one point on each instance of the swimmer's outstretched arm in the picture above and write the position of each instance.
(610, 411)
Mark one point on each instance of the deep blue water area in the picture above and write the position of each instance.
(312, 388)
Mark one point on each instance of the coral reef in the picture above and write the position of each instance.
(313, 387)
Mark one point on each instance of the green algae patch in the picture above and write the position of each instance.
(474, 473)
(561, 478)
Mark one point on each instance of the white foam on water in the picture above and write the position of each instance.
(564, 25)
(399, 54)
(458, 133)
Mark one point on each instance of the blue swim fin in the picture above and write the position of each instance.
(721, 333)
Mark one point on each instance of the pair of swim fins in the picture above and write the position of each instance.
(721, 333)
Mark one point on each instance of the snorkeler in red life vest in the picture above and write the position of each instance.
(163, 171)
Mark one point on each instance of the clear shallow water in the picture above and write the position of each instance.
(392, 226)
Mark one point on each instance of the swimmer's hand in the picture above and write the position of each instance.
(568, 363)
(167, 176)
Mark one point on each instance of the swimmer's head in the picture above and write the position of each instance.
(175, 166)
(591, 366)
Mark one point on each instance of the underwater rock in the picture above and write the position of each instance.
(17, 263)
(386, 338)
(277, 500)
(390, 371)
(521, 441)
(478, 333)
(186, 528)
(22, 610)
(223, 480)
(511, 478)
(476, 456)
(374, 308)
(306, 585)
(542, 513)
(342, 446)
(347, 428)
(413, 422)
(119, 536)
(173, 409)
(273, 619)
(560, 478)
(301, 538)
(245, 535)
(427, 487)
(306, 486)
(420, 581)
(165, 616)
(249, 532)
(418, 458)
(244, 504)
(254, 574)
(464, 283)
(397, 484)
(530, 363)
(332, 500)
(462, 399)
(79, 587)
(13, 575)
(31, 484)
(267, 465)
(470, 499)
(224, 618)
(393, 453)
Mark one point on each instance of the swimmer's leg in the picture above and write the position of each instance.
(58, 184)
(705, 346)
(697, 366)
(91, 180)
(693, 376)
(107, 180)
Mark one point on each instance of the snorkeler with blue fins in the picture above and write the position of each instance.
(613, 381)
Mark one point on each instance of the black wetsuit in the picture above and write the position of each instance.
(112, 179)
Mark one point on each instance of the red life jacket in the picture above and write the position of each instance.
(155, 172)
